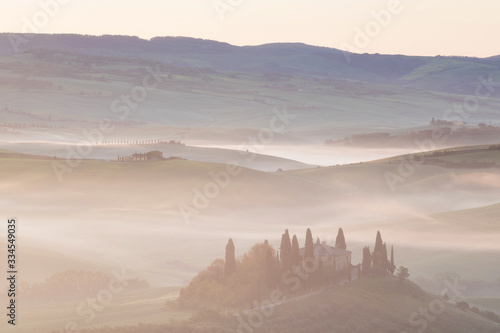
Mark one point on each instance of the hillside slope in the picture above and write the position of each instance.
(438, 73)
(366, 306)
(178, 198)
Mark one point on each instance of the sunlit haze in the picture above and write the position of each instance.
(424, 27)
(249, 166)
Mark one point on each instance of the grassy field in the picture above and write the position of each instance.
(384, 305)
(76, 96)
(110, 152)
(476, 153)
(146, 306)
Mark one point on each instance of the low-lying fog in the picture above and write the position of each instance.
(110, 215)
(317, 154)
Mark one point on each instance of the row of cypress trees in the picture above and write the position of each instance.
(288, 254)
(376, 263)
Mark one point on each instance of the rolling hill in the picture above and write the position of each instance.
(164, 219)
(438, 73)
(58, 85)
(112, 202)
(383, 305)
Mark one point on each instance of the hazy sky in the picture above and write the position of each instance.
(419, 27)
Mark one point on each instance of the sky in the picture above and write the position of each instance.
(411, 27)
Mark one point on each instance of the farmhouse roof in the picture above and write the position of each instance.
(323, 250)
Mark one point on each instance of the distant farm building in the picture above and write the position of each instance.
(330, 256)
(154, 155)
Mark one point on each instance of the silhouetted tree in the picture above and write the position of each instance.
(230, 262)
(309, 245)
(378, 253)
(392, 267)
(340, 241)
(385, 261)
(367, 262)
(295, 256)
(402, 273)
(285, 251)
(464, 306)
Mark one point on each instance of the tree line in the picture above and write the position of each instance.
(237, 282)
(377, 263)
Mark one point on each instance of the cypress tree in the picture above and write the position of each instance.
(367, 262)
(392, 267)
(340, 241)
(295, 257)
(230, 262)
(378, 252)
(385, 261)
(309, 250)
(285, 251)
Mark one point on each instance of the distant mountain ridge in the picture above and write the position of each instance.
(447, 74)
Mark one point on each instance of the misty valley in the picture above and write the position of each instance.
(186, 185)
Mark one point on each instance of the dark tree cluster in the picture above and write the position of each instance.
(236, 282)
(377, 263)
